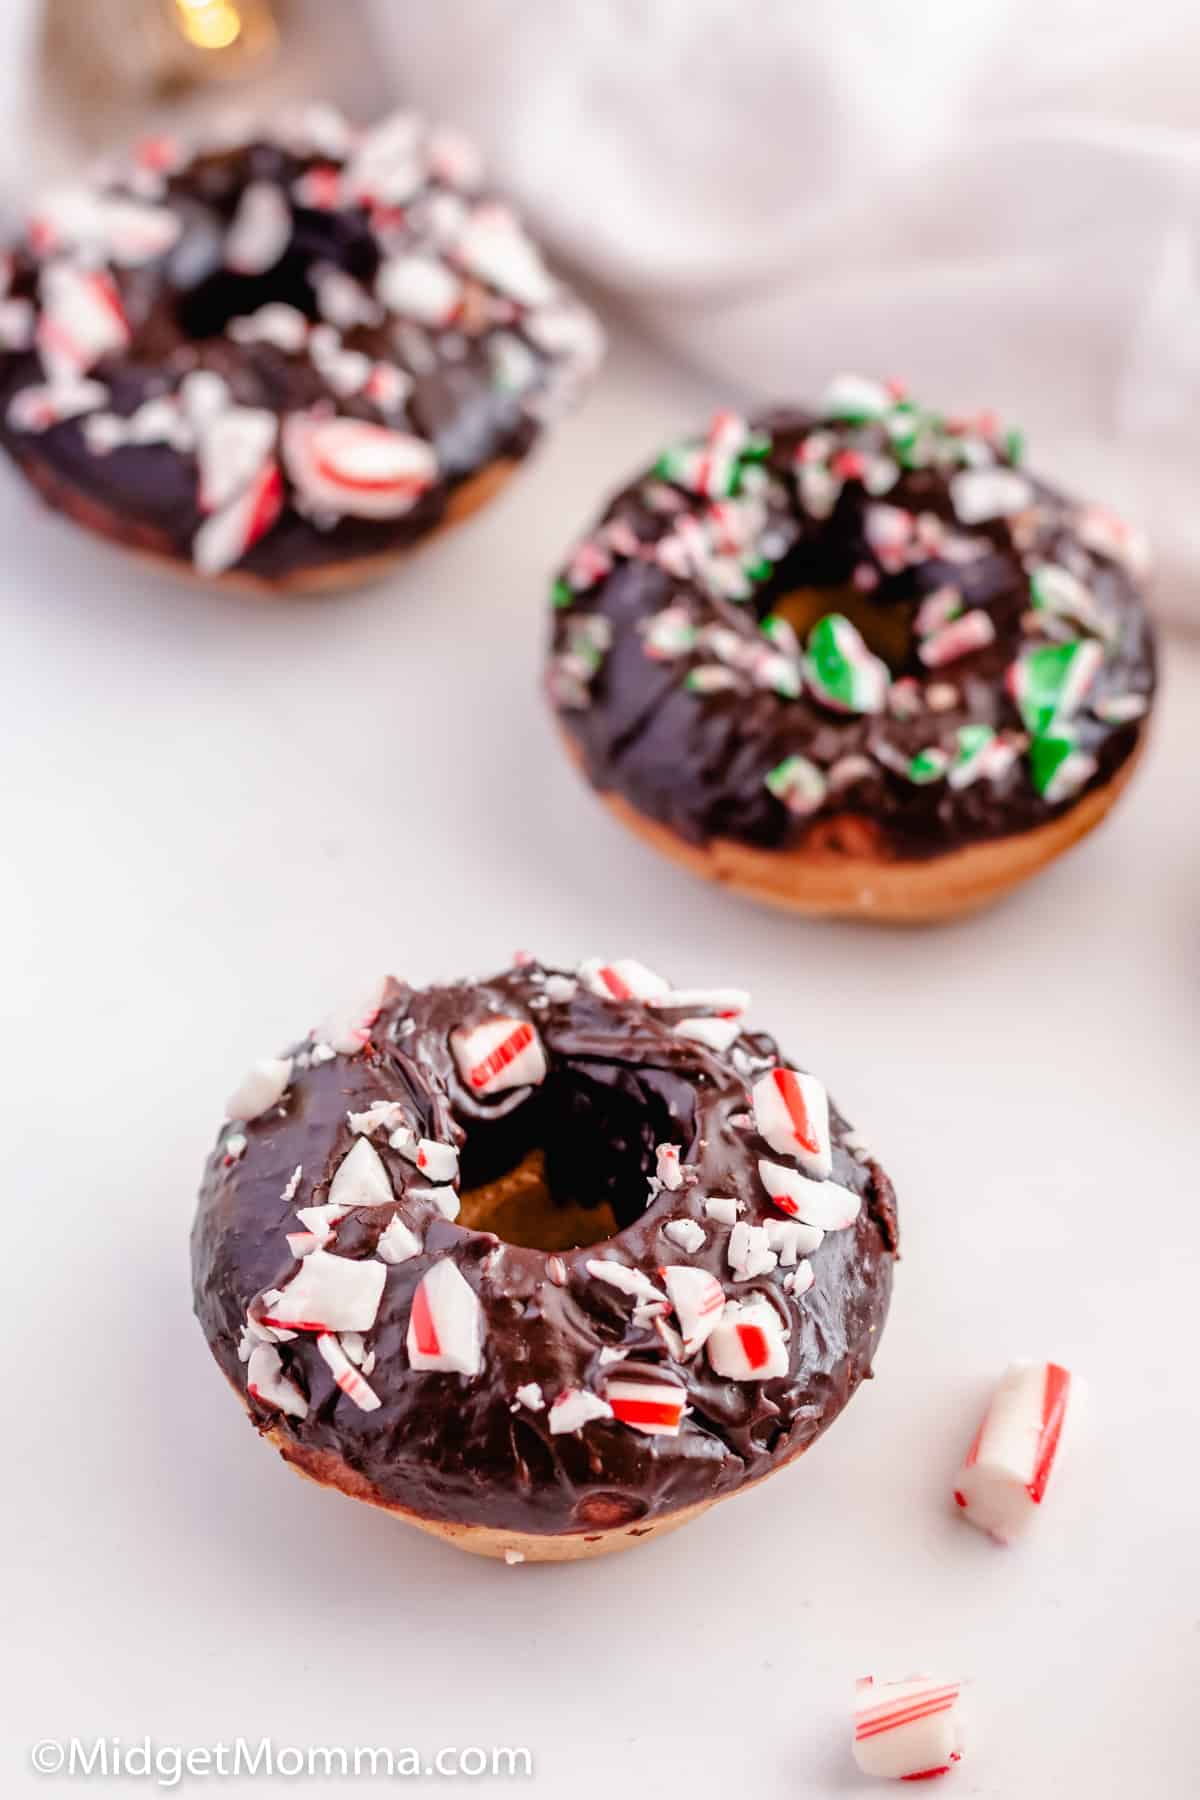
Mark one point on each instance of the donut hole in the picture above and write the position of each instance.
(571, 1166)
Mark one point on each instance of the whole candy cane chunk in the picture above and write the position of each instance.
(650, 1406)
(907, 1730)
(749, 1342)
(499, 1054)
(1001, 1483)
(445, 1327)
(791, 1111)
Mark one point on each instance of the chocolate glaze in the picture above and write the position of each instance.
(179, 307)
(697, 762)
(449, 1447)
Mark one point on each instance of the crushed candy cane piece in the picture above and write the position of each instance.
(350, 1380)
(791, 1111)
(723, 1209)
(1003, 1480)
(360, 1179)
(749, 1342)
(352, 467)
(907, 1730)
(445, 1326)
(398, 1243)
(530, 1396)
(494, 249)
(260, 230)
(686, 1233)
(980, 495)
(823, 1204)
(749, 1251)
(228, 533)
(799, 784)
(697, 1299)
(1058, 767)
(574, 1408)
(499, 1054)
(973, 631)
(1049, 682)
(381, 1115)
(655, 1407)
(791, 1239)
(82, 320)
(624, 979)
(727, 1002)
(267, 1383)
(840, 669)
(420, 288)
(715, 1034)
(261, 1089)
(667, 1167)
(328, 1293)
(350, 1031)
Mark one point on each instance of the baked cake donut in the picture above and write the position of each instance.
(544, 1264)
(855, 662)
(277, 362)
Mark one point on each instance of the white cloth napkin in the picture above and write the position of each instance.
(997, 199)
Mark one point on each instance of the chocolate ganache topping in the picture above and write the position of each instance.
(282, 353)
(868, 613)
(697, 1298)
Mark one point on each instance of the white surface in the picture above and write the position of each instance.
(218, 818)
(966, 196)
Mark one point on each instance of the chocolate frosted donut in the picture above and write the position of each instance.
(543, 1264)
(280, 361)
(854, 662)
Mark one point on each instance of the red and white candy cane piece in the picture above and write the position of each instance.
(824, 1204)
(352, 1382)
(328, 1293)
(266, 1382)
(261, 1089)
(624, 979)
(445, 1326)
(791, 1239)
(650, 1406)
(349, 1031)
(319, 1221)
(227, 534)
(360, 1179)
(749, 1342)
(698, 1300)
(974, 631)
(82, 320)
(398, 1243)
(717, 1035)
(906, 1730)
(381, 1115)
(420, 288)
(260, 231)
(499, 1054)
(438, 1161)
(1001, 1483)
(667, 1167)
(350, 466)
(574, 1408)
(233, 445)
(791, 1111)
(494, 249)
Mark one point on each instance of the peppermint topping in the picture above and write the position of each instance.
(445, 1326)
(497, 1055)
(749, 1342)
(576, 1407)
(349, 1032)
(656, 1407)
(267, 1383)
(697, 1299)
(260, 231)
(349, 1379)
(261, 1089)
(622, 980)
(823, 1204)
(398, 1243)
(328, 1293)
(360, 1179)
(791, 1111)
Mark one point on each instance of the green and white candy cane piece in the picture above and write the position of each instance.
(856, 399)
(1048, 682)
(670, 633)
(930, 764)
(979, 754)
(799, 784)
(1055, 590)
(841, 671)
(1059, 767)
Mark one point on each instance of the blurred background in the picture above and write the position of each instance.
(999, 201)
